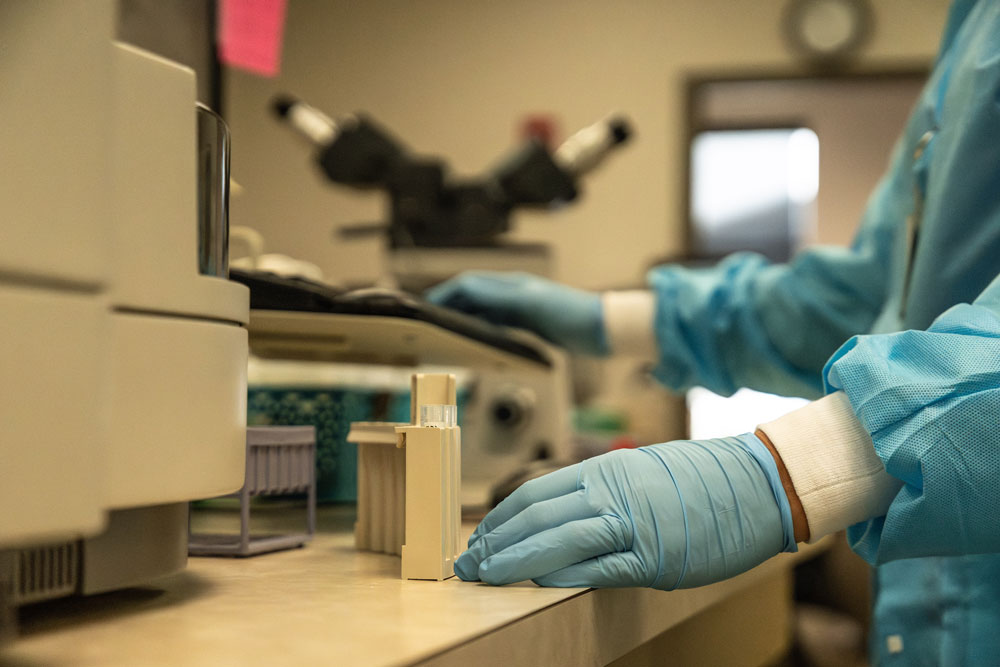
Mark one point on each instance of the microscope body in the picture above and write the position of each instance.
(428, 208)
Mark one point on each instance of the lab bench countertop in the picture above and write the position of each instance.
(328, 603)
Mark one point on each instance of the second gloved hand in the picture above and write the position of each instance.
(674, 515)
(563, 315)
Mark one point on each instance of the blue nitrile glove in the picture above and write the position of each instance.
(675, 515)
(564, 315)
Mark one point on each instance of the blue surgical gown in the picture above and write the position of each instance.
(907, 323)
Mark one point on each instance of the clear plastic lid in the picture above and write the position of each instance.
(441, 416)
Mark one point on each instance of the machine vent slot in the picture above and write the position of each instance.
(43, 573)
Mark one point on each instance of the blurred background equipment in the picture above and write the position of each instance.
(515, 389)
(428, 207)
(326, 356)
(433, 216)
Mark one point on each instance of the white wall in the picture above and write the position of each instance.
(454, 77)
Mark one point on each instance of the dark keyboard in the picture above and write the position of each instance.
(269, 291)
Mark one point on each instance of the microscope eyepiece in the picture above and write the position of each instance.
(282, 105)
(308, 121)
(620, 130)
(588, 147)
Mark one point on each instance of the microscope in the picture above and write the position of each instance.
(439, 225)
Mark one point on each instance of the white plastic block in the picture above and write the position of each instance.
(433, 507)
(433, 481)
(381, 487)
(409, 496)
(380, 503)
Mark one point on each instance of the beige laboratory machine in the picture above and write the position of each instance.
(123, 347)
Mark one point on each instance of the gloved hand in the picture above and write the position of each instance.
(563, 315)
(674, 515)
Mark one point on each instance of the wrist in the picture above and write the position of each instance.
(628, 323)
(799, 520)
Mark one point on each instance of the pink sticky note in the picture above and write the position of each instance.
(250, 33)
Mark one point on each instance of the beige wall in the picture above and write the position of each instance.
(453, 78)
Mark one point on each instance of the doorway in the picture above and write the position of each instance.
(777, 163)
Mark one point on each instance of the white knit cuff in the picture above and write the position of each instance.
(832, 463)
(628, 323)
